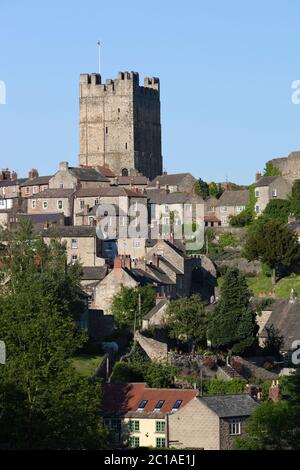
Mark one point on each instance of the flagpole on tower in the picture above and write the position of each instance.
(99, 57)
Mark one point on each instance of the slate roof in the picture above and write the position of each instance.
(71, 231)
(284, 317)
(124, 399)
(37, 181)
(141, 276)
(15, 182)
(170, 265)
(161, 196)
(156, 309)
(227, 406)
(91, 192)
(134, 180)
(234, 198)
(42, 218)
(169, 180)
(265, 181)
(88, 174)
(53, 193)
(159, 274)
(94, 273)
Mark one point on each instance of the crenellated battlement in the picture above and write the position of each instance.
(91, 84)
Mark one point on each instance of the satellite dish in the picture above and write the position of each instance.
(2, 352)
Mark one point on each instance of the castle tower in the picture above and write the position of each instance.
(120, 124)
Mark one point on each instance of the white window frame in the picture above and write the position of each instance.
(58, 204)
(235, 427)
(136, 243)
(257, 193)
(33, 204)
(45, 204)
(274, 192)
(35, 189)
(74, 259)
(74, 243)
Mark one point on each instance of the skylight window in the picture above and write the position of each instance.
(176, 405)
(142, 404)
(159, 405)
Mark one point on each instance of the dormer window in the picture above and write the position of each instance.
(176, 405)
(142, 404)
(159, 405)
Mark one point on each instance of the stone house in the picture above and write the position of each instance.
(190, 274)
(75, 177)
(178, 182)
(10, 188)
(231, 203)
(268, 188)
(122, 205)
(210, 422)
(172, 211)
(34, 184)
(156, 316)
(82, 244)
(210, 209)
(139, 416)
(51, 201)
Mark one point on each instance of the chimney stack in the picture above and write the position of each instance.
(257, 176)
(14, 175)
(118, 262)
(33, 173)
(275, 391)
(63, 166)
(155, 260)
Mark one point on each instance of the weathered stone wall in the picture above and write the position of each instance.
(195, 426)
(226, 440)
(289, 166)
(155, 350)
(120, 124)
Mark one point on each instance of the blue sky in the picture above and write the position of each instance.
(226, 69)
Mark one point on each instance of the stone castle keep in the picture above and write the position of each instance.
(120, 124)
(289, 166)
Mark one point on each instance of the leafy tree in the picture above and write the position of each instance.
(280, 209)
(187, 320)
(201, 188)
(126, 308)
(296, 191)
(223, 387)
(273, 244)
(274, 341)
(214, 189)
(227, 239)
(44, 403)
(139, 369)
(232, 326)
(271, 170)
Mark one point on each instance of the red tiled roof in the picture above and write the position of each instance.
(106, 171)
(211, 218)
(121, 399)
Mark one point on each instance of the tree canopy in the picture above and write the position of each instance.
(44, 403)
(272, 243)
(187, 320)
(232, 326)
(125, 305)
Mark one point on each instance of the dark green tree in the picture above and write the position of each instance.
(296, 191)
(273, 244)
(201, 188)
(187, 320)
(271, 170)
(232, 327)
(215, 189)
(275, 425)
(44, 403)
(131, 304)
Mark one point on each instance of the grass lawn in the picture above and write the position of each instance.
(262, 285)
(86, 364)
